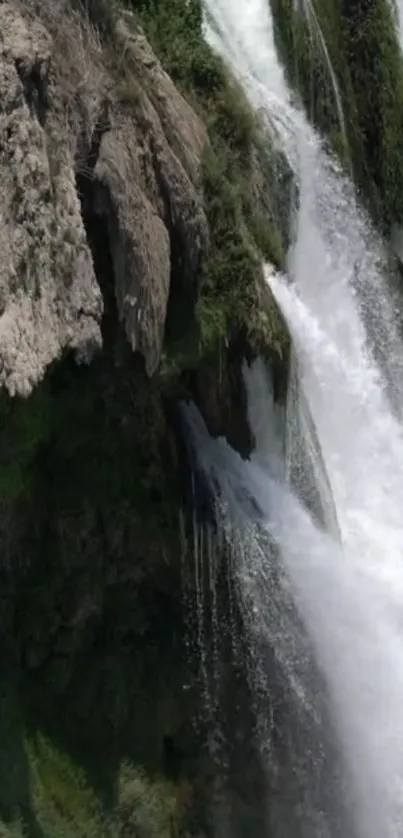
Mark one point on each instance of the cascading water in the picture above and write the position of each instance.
(320, 570)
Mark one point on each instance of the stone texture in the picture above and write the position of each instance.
(49, 297)
(62, 113)
(149, 170)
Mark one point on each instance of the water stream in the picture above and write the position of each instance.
(318, 535)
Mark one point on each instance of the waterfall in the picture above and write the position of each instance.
(298, 742)
(305, 467)
(314, 517)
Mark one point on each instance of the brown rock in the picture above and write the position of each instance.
(149, 167)
(60, 114)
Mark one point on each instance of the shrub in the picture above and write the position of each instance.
(63, 803)
(145, 807)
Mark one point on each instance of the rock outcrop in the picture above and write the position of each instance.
(147, 183)
(69, 122)
(49, 297)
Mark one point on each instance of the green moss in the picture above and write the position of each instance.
(362, 44)
(241, 231)
(174, 28)
(24, 424)
(239, 152)
(65, 805)
(230, 299)
(376, 69)
(11, 830)
(307, 38)
(147, 808)
(62, 804)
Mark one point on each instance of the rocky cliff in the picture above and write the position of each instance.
(136, 204)
(65, 121)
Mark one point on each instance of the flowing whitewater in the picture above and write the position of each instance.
(318, 538)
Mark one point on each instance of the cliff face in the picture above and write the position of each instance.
(49, 296)
(65, 124)
(131, 229)
(147, 186)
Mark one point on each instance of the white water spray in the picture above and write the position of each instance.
(350, 376)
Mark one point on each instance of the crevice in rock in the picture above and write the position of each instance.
(87, 158)
(97, 230)
(183, 285)
(35, 86)
(181, 303)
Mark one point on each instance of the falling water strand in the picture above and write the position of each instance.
(199, 587)
(286, 681)
(317, 34)
(211, 551)
(185, 587)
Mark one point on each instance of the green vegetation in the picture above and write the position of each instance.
(145, 808)
(376, 69)
(363, 48)
(22, 429)
(240, 227)
(62, 802)
(54, 799)
(244, 221)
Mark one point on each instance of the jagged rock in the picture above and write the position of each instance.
(61, 115)
(49, 297)
(149, 170)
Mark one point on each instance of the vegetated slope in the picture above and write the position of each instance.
(360, 39)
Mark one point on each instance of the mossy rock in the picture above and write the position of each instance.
(63, 804)
(243, 171)
(351, 51)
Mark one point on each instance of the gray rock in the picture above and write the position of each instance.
(59, 100)
(49, 297)
(149, 170)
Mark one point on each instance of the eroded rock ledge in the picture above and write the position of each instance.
(66, 114)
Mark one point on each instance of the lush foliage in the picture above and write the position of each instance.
(360, 41)
(53, 798)
(241, 229)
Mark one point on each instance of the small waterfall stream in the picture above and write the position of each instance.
(317, 34)
(314, 517)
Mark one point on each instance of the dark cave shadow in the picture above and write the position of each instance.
(109, 712)
(102, 720)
